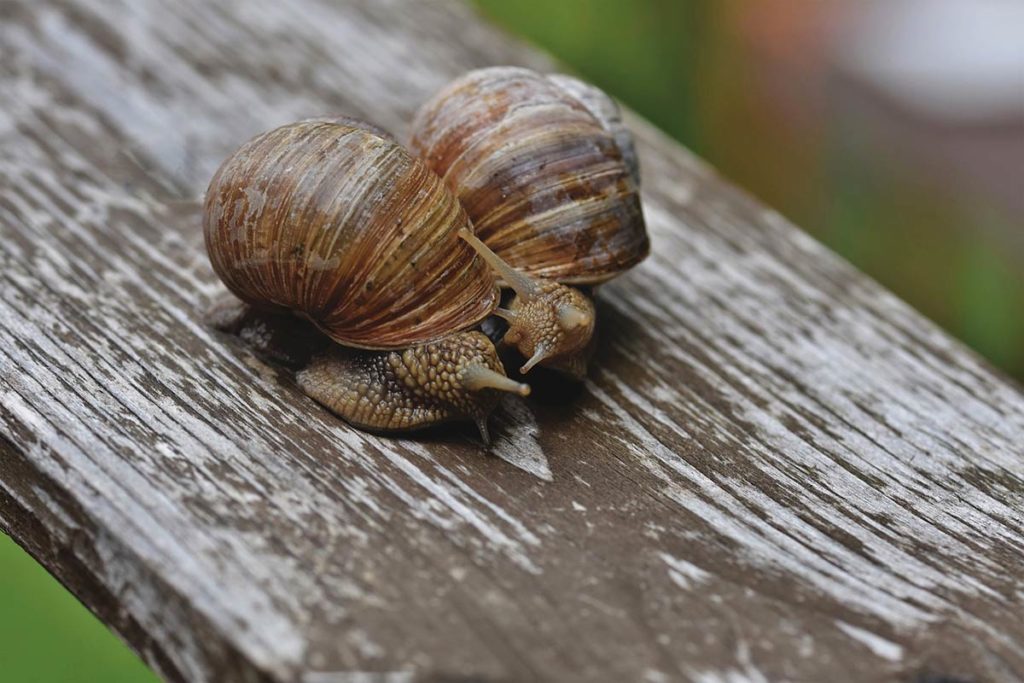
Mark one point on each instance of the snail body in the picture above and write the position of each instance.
(548, 176)
(454, 378)
(334, 221)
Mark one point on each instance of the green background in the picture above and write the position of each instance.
(682, 65)
(47, 636)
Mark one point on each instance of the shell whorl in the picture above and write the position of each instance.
(544, 183)
(607, 111)
(331, 219)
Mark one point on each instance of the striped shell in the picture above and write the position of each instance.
(334, 220)
(543, 181)
(607, 112)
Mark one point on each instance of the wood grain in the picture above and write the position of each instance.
(776, 471)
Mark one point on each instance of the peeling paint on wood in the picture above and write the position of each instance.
(776, 471)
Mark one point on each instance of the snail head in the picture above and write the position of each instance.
(549, 323)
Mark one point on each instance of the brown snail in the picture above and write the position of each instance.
(548, 176)
(334, 221)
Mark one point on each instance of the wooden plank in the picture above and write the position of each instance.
(777, 470)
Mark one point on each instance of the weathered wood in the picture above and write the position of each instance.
(777, 471)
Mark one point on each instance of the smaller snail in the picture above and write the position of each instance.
(333, 221)
(548, 176)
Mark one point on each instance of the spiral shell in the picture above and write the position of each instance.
(605, 110)
(544, 183)
(334, 220)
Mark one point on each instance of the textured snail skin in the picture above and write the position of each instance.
(333, 220)
(455, 378)
(544, 337)
(543, 182)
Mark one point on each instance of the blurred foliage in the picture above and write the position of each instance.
(47, 636)
(693, 68)
(644, 52)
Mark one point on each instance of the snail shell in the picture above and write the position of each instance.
(545, 184)
(605, 110)
(334, 220)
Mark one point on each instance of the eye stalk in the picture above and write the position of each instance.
(550, 324)
(477, 377)
(521, 283)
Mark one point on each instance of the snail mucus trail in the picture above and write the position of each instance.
(333, 221)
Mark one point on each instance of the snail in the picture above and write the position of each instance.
(334, 221)
(548, 176)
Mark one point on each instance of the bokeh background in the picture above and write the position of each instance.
(891, 130)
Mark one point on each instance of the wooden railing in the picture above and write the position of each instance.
(776, 471)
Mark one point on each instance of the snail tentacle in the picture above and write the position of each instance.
(571, 317)
(505, 314)
(540, 354)
(522, 284)
(476, 377)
